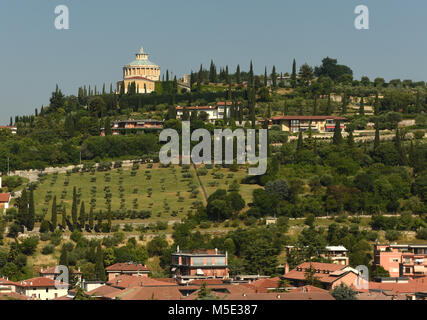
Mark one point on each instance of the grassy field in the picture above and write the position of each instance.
(166, 192)
(155, 189)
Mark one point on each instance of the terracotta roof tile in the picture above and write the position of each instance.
(126, 266)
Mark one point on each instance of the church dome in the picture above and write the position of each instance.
(141, 60)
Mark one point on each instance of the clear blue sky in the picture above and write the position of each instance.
(180, 35)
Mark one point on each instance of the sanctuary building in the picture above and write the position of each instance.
(142, 72)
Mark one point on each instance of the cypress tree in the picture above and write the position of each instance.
(274, 77)
(82, 217)
(344, 103)
(377, 135)
(99, 264)
(31, 212)
(350, 138)
(64, 218)
(315, 105)
(362, 107)
(107, 127)
(300, 143)
(23, 208)
(74, 208)
(238, 74)
(251, 76)
(54, 220)
(285, 108)
(337, 138)
(109, 224)
(400, 150)
(265, 77)
(91, 218)
(63, 259)
(329, 105)
(376, 104)
(294, 74)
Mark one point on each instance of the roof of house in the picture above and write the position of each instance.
(127, 266)
(149, 293)
(103, 291)
(127, 281)
(336, 248)
(4, 197)
(263, 285)
(7, 282)
(412, 286)
(41, 282)
(53, 270)
(13, 296)
(281, 296)
(296, 117)
(328, 272)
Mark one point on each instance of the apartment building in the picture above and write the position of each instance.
(297, 123)
(402, 260)
(199, 264)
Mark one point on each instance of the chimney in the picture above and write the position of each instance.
(286, 268)
(216, 251)
(278, 296)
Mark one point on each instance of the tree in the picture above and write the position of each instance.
(64, 218)
(294, 74)
(99, 264)
(306, 74)
(238, 74)
(310, 277)
(91, 218)
(63, 258)
(337, 138)
(54, 219)
(31, 212)
(82, 217)
(274, 77)
(107, 127)
(344, 292)
(377, 135)
(331, 69)
(362, 107)
(74, 208)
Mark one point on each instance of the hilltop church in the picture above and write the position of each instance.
(141, 71)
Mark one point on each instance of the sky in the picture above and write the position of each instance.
(104, 36)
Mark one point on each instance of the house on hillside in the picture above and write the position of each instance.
(128, 268)
(42, 288)
(4, 201)
(329, 275)
(294, 124)
(199, 264)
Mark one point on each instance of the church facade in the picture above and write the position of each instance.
(142, 72)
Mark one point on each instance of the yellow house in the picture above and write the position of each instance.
(142, 72)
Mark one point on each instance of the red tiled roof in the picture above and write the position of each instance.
(412, 286)
(4, 197)
(209, 282)
(40, 282)
(6, 282)
(126, 266)
(307, 118)
(103, 291)
(263, 285)
(13, 296)
(127, 281)
(282, 296)
(52, 270)
(150, 293)
(335, 271)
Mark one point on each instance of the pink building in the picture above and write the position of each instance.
(402, 260)
(127, 268)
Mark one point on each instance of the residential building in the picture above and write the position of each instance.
(54, 272)
(12, 129)
(119, 127)
(199, 264)
(142, 72)
(4, 201)
(338, 255)
(7, 286)
(127, 268)
(295, 124)
(329, 275)
(42, 288)
(402, 260)
(214, 113)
